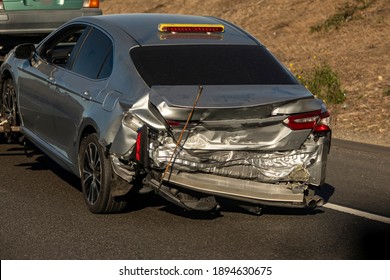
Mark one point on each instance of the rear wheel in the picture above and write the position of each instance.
(97, 178)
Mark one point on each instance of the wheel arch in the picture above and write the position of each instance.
(5, 75)
(87, 127)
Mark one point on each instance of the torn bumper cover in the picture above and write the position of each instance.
(304, 165)
(275, 179)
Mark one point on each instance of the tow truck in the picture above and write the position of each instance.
(8, 130)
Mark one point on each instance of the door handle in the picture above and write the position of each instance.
(51, 80)
(86, 95)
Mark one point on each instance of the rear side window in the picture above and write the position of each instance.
(209, 65)
(94, 59)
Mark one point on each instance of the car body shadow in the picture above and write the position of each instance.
(43, 162)
(137, 202)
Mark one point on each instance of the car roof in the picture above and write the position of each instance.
(144, 29)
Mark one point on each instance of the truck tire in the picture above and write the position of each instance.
(9, 109)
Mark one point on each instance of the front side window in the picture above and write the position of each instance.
(209, 65)
(58, 49)
(94, 59)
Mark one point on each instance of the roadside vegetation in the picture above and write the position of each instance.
(386, 91)
(323, 82)
(347, 12)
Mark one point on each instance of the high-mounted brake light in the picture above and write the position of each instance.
(190, 28)
(319, 122)
(91, 4)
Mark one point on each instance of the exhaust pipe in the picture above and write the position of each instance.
(315, 201)
(320, 201)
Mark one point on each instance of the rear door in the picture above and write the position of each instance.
(35, 91)
(78, 87)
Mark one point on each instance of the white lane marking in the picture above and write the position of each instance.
(359, 213)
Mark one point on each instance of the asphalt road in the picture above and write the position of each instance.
(43, 216)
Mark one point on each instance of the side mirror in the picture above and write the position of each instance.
(25, 51)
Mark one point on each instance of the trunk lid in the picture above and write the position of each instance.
(245, 117)
(229, 102)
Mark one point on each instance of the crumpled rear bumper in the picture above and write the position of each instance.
(242, 190)
(290, 180)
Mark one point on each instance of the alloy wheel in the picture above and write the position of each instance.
(92, 173)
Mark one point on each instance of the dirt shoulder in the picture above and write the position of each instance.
(358, 50)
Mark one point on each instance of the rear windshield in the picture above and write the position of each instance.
(209, 65)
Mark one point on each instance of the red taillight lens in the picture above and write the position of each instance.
(138, 145)
(312, 120)
(180, 124)
(302, 121)
(140, 151)
(91, 4)
(1, 5)
(324, 122)
(174, 123)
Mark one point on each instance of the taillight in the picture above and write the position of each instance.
(324, 122)
(180, 124)
(138, 145)
(1, 5)
(133, 122)
(174, 123)
(91, 4)
(315, 120)
(140, 151)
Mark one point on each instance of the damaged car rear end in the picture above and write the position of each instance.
(253, 152)
(198, 111)
(226, 121)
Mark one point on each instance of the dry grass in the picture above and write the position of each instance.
(358, 50)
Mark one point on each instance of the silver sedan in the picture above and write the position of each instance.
(193, 108)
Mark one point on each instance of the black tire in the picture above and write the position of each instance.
(97, 178)
(9, 108)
